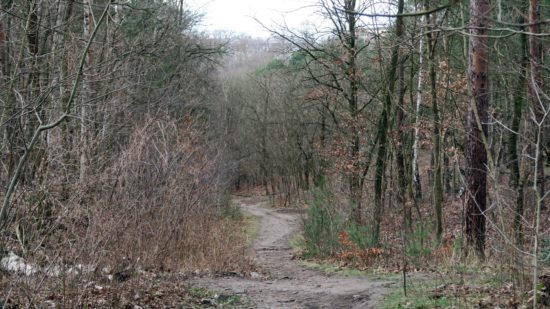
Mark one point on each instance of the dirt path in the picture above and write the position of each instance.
(288, 284)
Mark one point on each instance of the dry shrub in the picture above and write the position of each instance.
(357, 257)
(157, 205)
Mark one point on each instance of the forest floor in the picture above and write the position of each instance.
(281, 281)
(278, 278)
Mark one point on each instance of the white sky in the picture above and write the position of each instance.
(237, 15)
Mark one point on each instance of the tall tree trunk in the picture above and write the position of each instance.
(419, 89)
(2, 51)
(3, 81)
(513, 156)
(383, 130)
(355, 174)
(476, 156)
(266, 166)
(33, 45)
(66, 144)
(438, 176)
(535, 86)
(9, 111)
(6, 97)
(59, 64)
(400, 107)
(539, 108)
(86, 92)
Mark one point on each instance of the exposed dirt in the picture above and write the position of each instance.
(288, 284)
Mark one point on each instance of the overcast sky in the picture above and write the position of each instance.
(237, 15)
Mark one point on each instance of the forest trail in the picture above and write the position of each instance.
(288, 284)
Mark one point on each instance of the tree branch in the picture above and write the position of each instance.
(412, 14)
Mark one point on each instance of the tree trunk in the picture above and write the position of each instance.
(438, 176)
(2, 51)
(419, 89)
(383, 131)
(539, 108)
(535, 86)
(9, 111)
(6, 94)
(513, 157)
(476, 156)
(35, 71)
(400, 156)
(3, 84)
(86, 92)
(355, 173)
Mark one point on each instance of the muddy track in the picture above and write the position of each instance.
(288, 284)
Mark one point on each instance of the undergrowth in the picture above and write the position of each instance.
(160, 205)
(464, 284)
(439, 273)
(327, 235)
(321, 226)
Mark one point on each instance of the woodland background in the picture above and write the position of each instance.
(416, 139)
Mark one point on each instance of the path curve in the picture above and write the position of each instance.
(290, 285)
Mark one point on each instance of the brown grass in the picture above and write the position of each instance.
(157, 206)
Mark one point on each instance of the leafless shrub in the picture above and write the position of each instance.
(158, 206)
